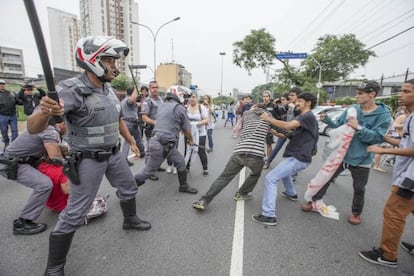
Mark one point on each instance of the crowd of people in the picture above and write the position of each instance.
(90, 119)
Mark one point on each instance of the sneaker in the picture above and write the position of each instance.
(153, 177)
(285, 195)
(266, 166)
(308, 207)
(271, 221)
(379, 169)
(201, 204)
(27, 227)
(376, 256)
(238, 197)
(174, 170)
(407, 247)
(354, 219)
(205, 172)
(169, 169)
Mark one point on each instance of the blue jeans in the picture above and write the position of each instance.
(279, 144)
(283, 171)
(5, 121)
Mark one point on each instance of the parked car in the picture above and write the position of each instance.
(333, 114)
(324, 108)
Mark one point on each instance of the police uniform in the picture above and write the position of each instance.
(130, 117)
(171, 119)
(28, 150)
(92, 117)
(150, 108)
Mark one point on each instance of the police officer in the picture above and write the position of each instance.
(93, 117)
(149, 109)
(26, 152)
(171, 119)
(29, 98)
(130, 110)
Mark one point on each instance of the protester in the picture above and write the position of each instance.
(292, 112)
(401, 201)
(297, 157)
(198, 116)
(372, 122)
(208, 103)
(93, 114)
(248, 152)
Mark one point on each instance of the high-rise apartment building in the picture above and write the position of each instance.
(64, 33)
(11, 63)
(112, 18)
(169, 74)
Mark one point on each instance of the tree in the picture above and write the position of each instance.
(122, 82)
(256, 50)
(338, 56)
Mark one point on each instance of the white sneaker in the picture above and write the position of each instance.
(174, 170)
(169, 169)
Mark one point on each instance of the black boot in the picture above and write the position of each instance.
(59, 245)
(184, 187)
(27, 227)
(131, 221)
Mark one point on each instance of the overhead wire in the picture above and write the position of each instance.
(387, 23)
(293, 43)
(389, 28)
(391, 37)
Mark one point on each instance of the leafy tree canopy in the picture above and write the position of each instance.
(122, 82)
(338, 56)
(256, 50)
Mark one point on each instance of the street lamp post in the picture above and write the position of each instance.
(222, 54)
(319, 84)
(154, 37)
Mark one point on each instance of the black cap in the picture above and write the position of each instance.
(369, 86)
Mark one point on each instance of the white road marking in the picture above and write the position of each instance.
(236, 265)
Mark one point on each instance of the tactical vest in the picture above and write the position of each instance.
(167, 122)
(97, 121)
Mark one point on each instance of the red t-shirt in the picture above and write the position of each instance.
(57, 200)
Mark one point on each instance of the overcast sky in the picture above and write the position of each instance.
(207, 28)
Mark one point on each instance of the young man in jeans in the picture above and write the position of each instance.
(248, 152)
(401, 201)
(297, 157)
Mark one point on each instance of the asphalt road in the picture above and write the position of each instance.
(224, 240)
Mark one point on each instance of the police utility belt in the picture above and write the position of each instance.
(9, 164)
(97, 155)
(131, 120)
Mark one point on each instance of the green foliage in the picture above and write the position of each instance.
(122, 82)
(256, 50)
(338, 56)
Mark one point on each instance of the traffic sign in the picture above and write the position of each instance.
(291, 55)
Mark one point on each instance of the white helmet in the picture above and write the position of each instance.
(89, 51)
(181, 92)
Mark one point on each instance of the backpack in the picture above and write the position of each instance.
(98, 208)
